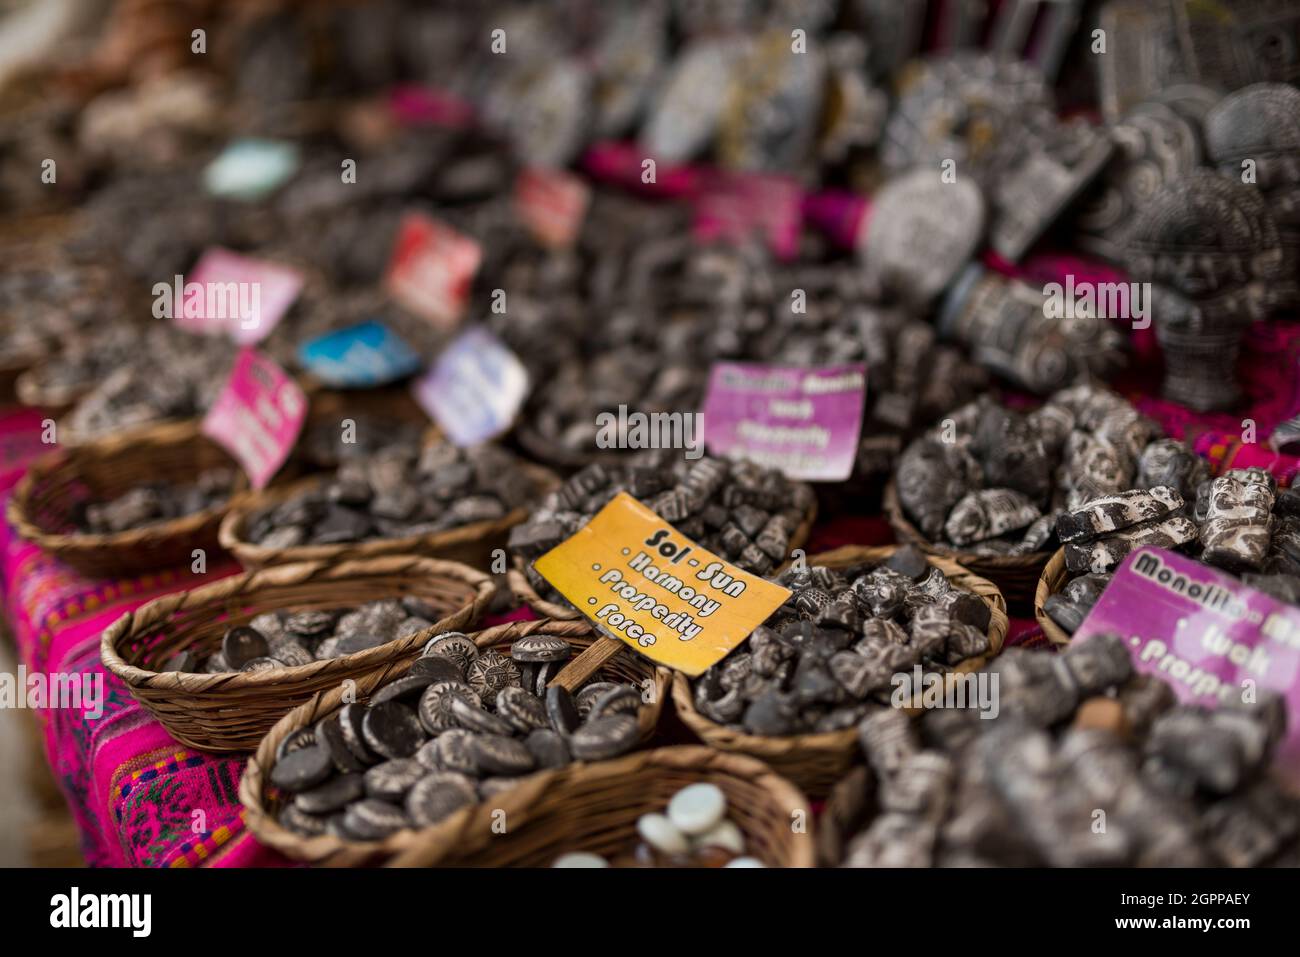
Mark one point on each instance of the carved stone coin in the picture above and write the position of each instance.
(333, 795)
(300, 822)
(391, 780)
(454, 645)
(350, 720)
(604, 738)
(548, 748)
(499, 754)
(522, 710)
(299, 738)
(540, 648)
(372, 820)
(404, 688)
(589, 693)
(490, 672)
(623, 699)
(437, 667)
(392, 730)
(242, 644)
(561, 709)
(437, 796)
(453, 751)
(310, 624)
(302, 769)
(435, 704)
(329, 732)
(472, 717)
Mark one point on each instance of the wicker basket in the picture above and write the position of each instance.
(232, 711)
(526, 594)
(261, 801)
(38, 242)
(40, 507)
(1054, 578)
(816, 761)
(472, 544)
(1015, 575)
(594, 808)
(553, 455)
(851, 804)
(11, 370)
(31, 390)
(389, 403)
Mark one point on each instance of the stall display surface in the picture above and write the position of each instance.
(138, 797)
(959, 416)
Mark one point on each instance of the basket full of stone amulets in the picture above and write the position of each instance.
(292, 631)
(986, 484)
(753, 516)
(141, 500)
(451, 503)
(605, 810)
(409, 760)
(1076, 735)
(1240, 523)
(795, 691)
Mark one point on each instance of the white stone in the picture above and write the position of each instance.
(662, 834)
(697, 808)
(580, 859)
(724, 834)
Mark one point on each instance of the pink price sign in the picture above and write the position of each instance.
(258, 416)
(805, 422)
(1210, 636)
(229, 294)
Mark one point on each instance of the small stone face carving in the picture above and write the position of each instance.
(1211, 248)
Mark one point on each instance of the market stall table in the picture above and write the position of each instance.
(139, 799)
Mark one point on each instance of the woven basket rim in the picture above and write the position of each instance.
(717, 735)
(911, 535)
(622, 772)
(830, 840)
(324, 401)
(553, 455)
(131, 442)
(252, 555)
(30, 392)
(71, 438)
(1050, 582)
(155, 614)
(17, 363)
(524, 592)
(253, 782)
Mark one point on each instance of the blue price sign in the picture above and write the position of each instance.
(359, 357)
